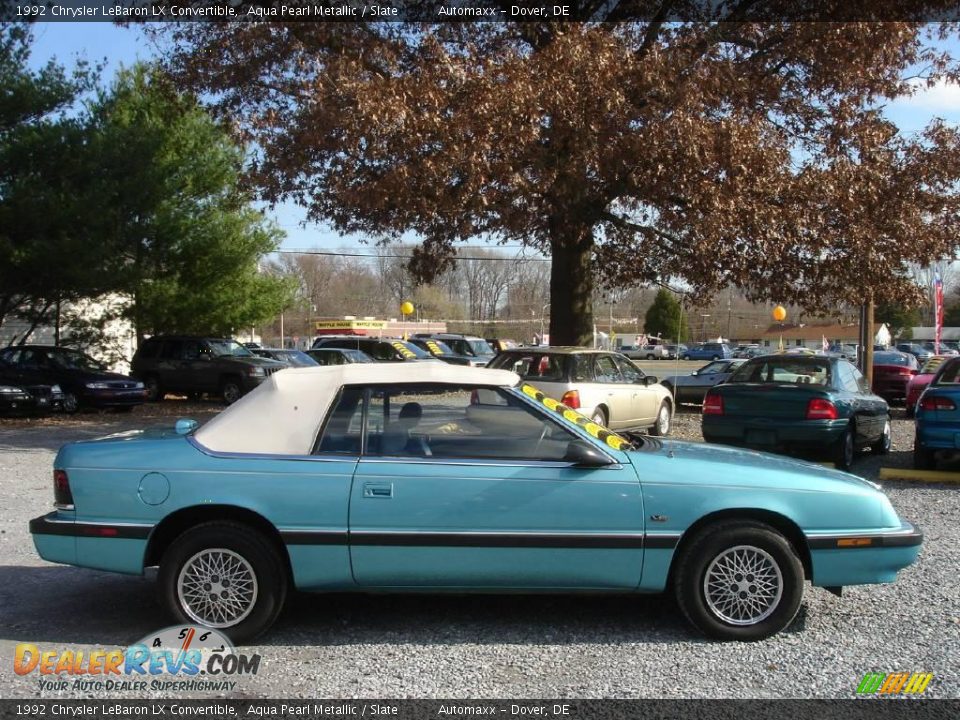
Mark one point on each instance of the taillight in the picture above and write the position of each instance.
(62, 497)
(820, 409)
(936, 402)
(906, 371)
(571, 399)
(713, 404)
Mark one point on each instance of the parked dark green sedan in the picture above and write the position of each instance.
(798, 404)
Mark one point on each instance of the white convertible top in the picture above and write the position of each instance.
(283, 415)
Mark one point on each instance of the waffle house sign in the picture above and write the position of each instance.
(350, 327)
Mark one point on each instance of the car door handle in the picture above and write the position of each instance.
(378, 490)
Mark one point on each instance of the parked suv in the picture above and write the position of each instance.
(197, 365)
(709, 351)
(648, 352)
(380, 349)
(471, 346)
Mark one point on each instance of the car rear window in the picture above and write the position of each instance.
(544, 367)
(782, 371)
(887, 358)
(949, 374)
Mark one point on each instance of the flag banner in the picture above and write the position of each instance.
(825, 345)
(938, 314)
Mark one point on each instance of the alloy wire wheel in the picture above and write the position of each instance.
(743, 585)
(225, 575)
(738, 580)
(217, 588)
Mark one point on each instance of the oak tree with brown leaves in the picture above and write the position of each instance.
(750, 149)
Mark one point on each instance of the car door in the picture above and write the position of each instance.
(616, 392)
(644, 399)
(466, 487)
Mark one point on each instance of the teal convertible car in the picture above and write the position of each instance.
(434, 477)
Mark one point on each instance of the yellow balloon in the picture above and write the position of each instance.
(779, 313)
(406, 308)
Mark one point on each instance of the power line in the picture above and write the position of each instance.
(405, 257)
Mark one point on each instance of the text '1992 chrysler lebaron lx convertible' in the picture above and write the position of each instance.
(433, 477)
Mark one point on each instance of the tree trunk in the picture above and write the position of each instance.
(571, 286)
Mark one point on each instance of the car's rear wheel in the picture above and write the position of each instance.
(599, 416)
(662, 426)
(739, 580)
(715, 357)
(152, 385)
(685, 357)
(882, 445)
(230, 390)
(844, 451)
(225, 576)
(650, 357)
(923, 458)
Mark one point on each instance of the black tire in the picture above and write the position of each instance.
(154, 391)
(715, 545)
(715, 357)
(257, 557)
(71, 404)
(685, 357)
(600, 416)
(845, 449)
(882, 445)
(230, 390)
(664, 421)
(650, 357)
(923, 458)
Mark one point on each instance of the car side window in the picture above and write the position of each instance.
(607, 371)
(34, 359)
(862, 384)
(190, 350)
(468, 422)
(171, 349)
(631, 373)
(343, 430)
(582, 368)
(12, 356)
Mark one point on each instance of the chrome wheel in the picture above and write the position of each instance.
(743, 585)
(217, 588)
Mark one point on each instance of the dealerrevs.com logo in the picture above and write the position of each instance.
(899, 683)
(177, 658)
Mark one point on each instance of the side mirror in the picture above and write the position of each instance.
(651, 380)
(583, 455)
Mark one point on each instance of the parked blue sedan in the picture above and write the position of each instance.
(431, 477)
(937, 417)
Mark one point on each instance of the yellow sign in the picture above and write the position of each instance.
(350, 324)
(582, 421)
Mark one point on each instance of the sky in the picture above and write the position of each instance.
(119, 46)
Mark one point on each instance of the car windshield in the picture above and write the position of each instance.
(480, 347)
(228, 348)
(402, 346)
(437, 347)
(931, 365)
(949, 374)
(893, 358)
(296, 357)
(782, 371)
(357, 356)
(75, 360)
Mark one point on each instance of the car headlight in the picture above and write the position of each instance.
(97, 386)
(138, 386)
(256, 371)
(11, 390)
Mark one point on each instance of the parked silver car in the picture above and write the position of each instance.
(606, 386)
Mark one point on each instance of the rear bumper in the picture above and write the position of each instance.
(892, 388)
(117, 547)
(865, 558)
(937, 436)
(767, 433)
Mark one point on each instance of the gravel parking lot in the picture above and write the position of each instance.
(492, 646)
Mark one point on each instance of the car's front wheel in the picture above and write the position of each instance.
(739, 580)
(230, 391)
(662, 426)
(70, 403)
(225, 576)
(154, 392)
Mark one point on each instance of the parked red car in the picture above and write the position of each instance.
(918, 383)
(891, 372)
